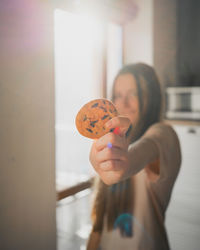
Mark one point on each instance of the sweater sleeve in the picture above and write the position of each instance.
(162, 174)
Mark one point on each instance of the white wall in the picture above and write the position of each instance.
(27, 157)
(138, 34)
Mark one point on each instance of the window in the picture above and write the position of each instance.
(78, 77)
(79, 52)
(80, 68)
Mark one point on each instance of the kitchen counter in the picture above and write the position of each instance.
(183, 122)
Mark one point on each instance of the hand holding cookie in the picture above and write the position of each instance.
(91, 119)
(95, 119)
(99, 120)
(109, 154)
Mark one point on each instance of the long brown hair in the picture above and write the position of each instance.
(149, 95)
(112, 201)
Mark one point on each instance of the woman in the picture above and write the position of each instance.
(137, 172)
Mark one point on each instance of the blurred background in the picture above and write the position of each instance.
(54, 57)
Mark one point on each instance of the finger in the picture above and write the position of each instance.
(110, 139)
(110, 154)
(111, 165)
(120, 122)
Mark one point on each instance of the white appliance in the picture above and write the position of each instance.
(183, 103)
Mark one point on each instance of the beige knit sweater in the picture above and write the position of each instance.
(152, 190)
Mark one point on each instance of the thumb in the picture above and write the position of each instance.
(119, 125)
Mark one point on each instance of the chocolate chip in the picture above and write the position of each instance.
(92, 124)
(104, 117)
(95, 105)
(88, 129)
(104, 109)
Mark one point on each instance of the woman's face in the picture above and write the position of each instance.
(126, 97)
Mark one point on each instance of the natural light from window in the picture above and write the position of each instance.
(80, 42)
(78, 77)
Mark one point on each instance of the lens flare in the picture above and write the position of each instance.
(125, 223)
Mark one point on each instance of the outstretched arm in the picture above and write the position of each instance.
(112, 157)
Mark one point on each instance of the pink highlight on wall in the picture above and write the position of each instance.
(24, 29)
